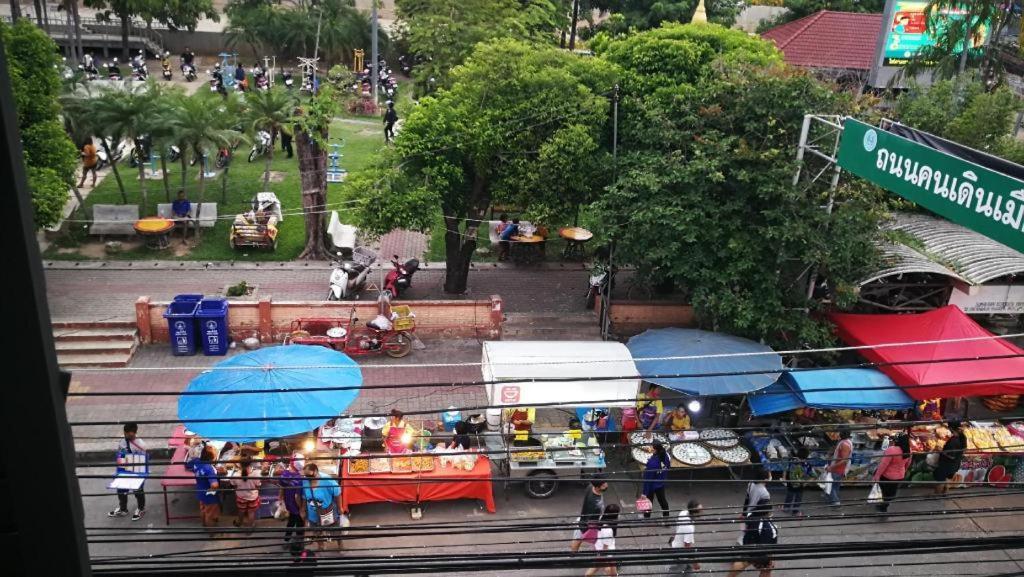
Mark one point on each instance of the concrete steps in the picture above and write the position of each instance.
(550, 327)
(95, 343)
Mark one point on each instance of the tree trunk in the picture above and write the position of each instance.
(124, 39)
(575, 21)
(37, 4)
(184, 163)
(15, 10)
(46, 18)
(202, 197)
(313, 175)
(70, 31)
(163, 169)
(142, 186)
(224, 185)
(459, 246)
(78, 27)
(113, 168)
(81, 201)
(270, 159)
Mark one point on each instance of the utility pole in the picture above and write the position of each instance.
(374, 56)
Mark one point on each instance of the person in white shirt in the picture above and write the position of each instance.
(684, 536)
(606, 540)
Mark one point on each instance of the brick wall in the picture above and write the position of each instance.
(271, 321)
(633, 317)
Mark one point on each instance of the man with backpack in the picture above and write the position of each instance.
(390, 118)
(758, 530)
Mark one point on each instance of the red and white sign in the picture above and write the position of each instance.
(509, 394)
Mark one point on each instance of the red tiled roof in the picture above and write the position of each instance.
(828, 39)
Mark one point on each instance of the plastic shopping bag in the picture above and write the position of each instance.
(280, 511)
(875, 496)
(825, 483)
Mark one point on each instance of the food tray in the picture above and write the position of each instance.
(733, 456)
(423, 463)
(719, 438)
(380, 465)
(528, 456)
(358, 466)
(401, 464)
(641, 455)
(691, 454)
(640, 438)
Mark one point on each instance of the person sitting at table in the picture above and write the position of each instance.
(676, 420)
(520, 421)
(506, 235)
(394, 431)
(460, 440)
(648, 410)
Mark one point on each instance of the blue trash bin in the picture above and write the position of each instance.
(212, 320)
(181, 327)
(188, 298)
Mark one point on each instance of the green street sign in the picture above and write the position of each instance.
(970, 195)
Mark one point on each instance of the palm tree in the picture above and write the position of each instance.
(129, 112)
(268, 110)
(80, 113)
(201, 123)
(163, 130)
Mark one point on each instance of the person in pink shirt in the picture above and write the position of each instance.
(892, 469)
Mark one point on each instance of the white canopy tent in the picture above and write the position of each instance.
(516, 360)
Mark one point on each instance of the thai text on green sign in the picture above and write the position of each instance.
(973, 196)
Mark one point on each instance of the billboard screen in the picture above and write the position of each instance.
(906, 31)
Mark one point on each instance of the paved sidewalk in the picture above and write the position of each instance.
(107, 291)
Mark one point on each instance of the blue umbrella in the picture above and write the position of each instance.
(275, 372)
(674, 342)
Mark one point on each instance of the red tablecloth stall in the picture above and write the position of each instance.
(441, 484)
(188, 480)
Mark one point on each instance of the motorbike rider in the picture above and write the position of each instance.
(188, 58)
(165, 62)
(89, 64)
(217, 78)
(240, 79)
(113, 70)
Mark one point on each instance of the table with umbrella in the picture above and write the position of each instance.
(270, 393)
(699, 364)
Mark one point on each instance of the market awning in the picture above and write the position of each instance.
(519, 361)
(830, 389)
(936, 379)
(279, 403)
(699, 352)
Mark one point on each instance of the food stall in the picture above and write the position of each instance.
(862, 399)
(512, 370)
(994, 455)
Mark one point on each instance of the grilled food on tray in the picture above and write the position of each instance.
(401, 464)
(358, 466)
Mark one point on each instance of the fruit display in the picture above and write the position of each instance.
(980, 439)
(1007, 440)
(691, 454)
(358, 466)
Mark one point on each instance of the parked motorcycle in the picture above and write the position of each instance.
(599, 278)
(348, 277)
(117, 150)
(114, 70)
(166, 65)
(399, 279)
(261, 146)
(262, 82)
(189, 72)
(223, 157)
(140, 152)
(287, 80)
(88, 73)
(138, 65)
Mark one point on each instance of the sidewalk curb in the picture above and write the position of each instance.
(281, 265)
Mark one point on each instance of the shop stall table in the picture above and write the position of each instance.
(178, 477)
(440, 484)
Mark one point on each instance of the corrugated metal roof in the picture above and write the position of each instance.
(900, 259)
(973, 256)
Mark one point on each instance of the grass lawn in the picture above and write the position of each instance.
(363, 141)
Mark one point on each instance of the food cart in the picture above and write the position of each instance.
(512, 370)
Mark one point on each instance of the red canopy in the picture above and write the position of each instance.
(946, 323)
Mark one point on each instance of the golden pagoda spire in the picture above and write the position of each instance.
(700, 14)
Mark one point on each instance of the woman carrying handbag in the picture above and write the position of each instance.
(322, 498)
(655, 473)
(891, 471)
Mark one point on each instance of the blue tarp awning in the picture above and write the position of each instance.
(830, 389)
(696, 352)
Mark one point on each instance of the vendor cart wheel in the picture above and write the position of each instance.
(399, 346)
(541, 485)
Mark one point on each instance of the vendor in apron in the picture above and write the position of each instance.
(520, 421)
(393, 432)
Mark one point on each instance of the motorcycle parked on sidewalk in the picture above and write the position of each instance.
(399, 279)
(261, 146)
(117, 150)
(599, 278)
(348, 276)
(381, 335)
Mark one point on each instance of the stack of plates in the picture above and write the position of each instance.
(691, 454)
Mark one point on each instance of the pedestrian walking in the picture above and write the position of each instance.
(390, 118)
(758, 530)
(290, 479)
(892, 469)
(90, 162)
(322, 498)
(606, 541)
(131, 451)
(655, 473)
(757, 492)
(950, 458)
(286, 141)
(797, 474)
(685, 536)
(247, 494)
(207, 485)
(839, 465)
(590, 514)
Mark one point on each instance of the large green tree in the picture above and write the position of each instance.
(289, 27)
(268, 110)
(521, 124)
(644, 14)
(50, 156)
(176, 14)
(442, 33)
(705, 198)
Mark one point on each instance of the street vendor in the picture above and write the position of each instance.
(676, 420)
(397, 434)
(520, 421)
(649, 409)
